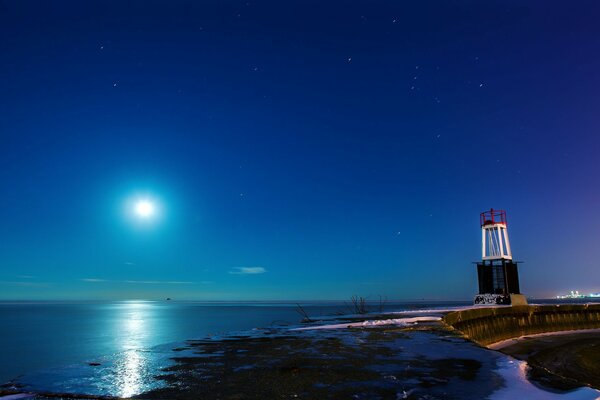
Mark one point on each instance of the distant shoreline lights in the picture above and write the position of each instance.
(574, 294)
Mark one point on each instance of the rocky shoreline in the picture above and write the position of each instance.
(373, 363)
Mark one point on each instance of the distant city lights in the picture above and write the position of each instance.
(574, 294)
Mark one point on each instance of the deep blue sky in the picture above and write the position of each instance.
(337, 147)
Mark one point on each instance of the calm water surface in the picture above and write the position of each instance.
(36, 335)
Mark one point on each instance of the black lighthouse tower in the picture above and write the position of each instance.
(497, 273)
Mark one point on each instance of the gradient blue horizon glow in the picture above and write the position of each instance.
(295, 150)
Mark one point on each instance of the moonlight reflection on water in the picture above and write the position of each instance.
(129, 373)
(132, 366)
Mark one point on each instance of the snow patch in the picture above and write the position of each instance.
(371, 323)
(446, 309)
(518, 386)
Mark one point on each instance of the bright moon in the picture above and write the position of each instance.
(144, 208)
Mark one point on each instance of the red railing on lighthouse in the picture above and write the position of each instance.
(492, 217)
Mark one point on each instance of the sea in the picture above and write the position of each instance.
(117, 348)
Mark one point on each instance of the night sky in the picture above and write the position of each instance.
(295, 149)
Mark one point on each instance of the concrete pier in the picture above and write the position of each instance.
(490, 325)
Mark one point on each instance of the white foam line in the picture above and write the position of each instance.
(371, 323)
(505, 343)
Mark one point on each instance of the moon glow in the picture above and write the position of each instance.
(144, 209)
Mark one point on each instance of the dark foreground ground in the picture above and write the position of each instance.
(375, 363)
(573, 357)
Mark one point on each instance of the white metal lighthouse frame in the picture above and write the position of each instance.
(494, 236)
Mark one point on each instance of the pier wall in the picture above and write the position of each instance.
(490, 325)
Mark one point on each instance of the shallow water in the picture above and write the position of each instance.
(42, 335)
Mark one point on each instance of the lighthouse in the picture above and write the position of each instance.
(497, 272)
